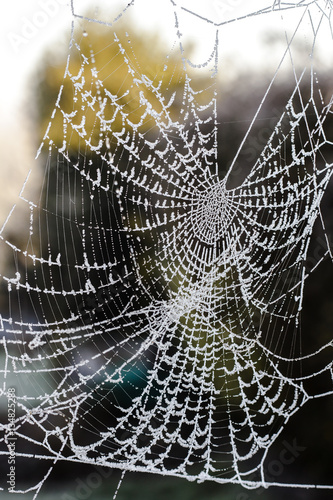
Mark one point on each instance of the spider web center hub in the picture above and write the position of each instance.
(211, 213)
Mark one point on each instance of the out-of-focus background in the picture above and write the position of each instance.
(34, 44)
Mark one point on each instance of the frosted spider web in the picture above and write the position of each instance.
(167, 327)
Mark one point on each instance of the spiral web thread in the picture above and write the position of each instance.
(167, 331)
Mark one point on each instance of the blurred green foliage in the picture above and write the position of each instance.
(113, 73)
